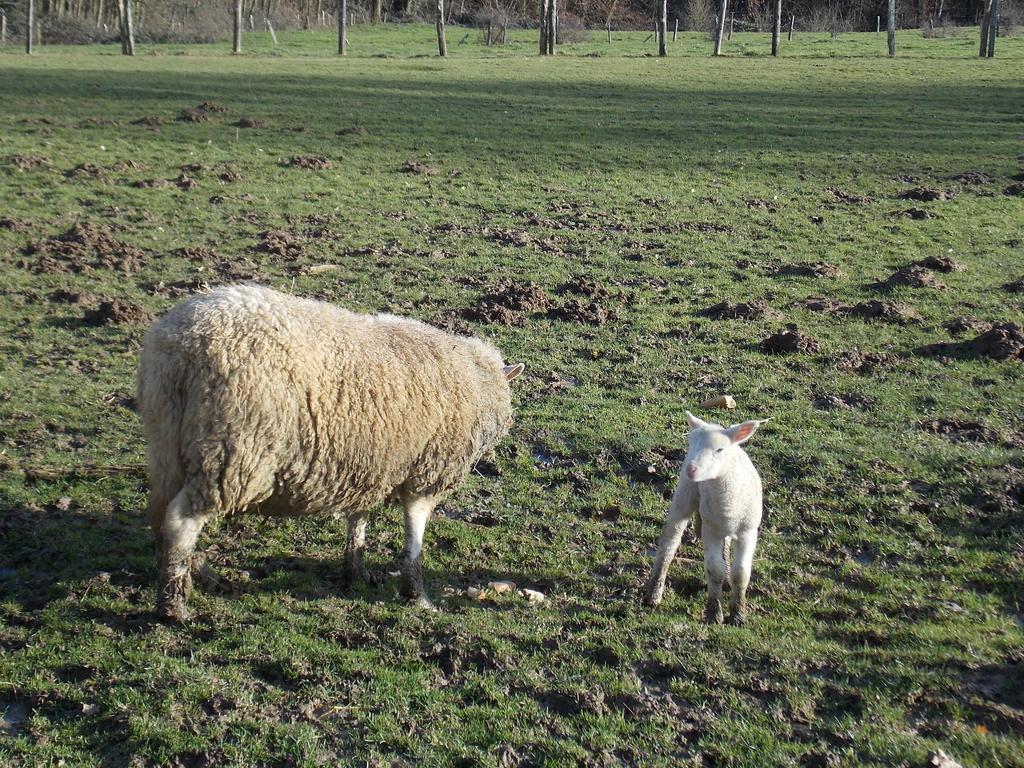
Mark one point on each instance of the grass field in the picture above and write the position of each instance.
(635, 193)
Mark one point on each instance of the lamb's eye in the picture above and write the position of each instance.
(719, 450)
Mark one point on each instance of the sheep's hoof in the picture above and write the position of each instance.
(713, 613)
(353, 575)
(737, 618)
(423, 603)
(654, 597)
(174, 612)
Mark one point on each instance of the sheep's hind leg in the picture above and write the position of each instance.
(355, 545)
(742, 562)
(181, 527)
(714, 572)
(679, 515)
(417, 511)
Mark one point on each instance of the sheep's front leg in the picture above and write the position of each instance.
(684, 503)
(179, 532)
(714, 573)
(355, 545)
(417, 512)
(742, 562)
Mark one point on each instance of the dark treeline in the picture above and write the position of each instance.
(208, 20)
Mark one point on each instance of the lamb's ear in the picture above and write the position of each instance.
(511, 371)
(740, 433)
(694, 422)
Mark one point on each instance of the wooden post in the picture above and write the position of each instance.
(270, 28)
(342, 27)
(985, 17)
(544, 27)
(442, 44)
(792, 23)
(720, 27)
(236, 46)
(28, 27)
(993, 28)
(732, 23)
(129, 29)
(675, 30)
(777, 28)
(487, 39)
(663, 29)
(609, 33)
(890, 28)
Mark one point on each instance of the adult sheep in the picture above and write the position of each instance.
(254, 400)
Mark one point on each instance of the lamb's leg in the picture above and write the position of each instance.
(679, 514)
(742, 561)
(181, 527)
(417, 512)
(355, 544)
(714, 572)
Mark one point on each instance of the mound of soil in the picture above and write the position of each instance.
(193, 168)
(831, 306)
(310, 162)
(941, 264)
(847, 197)
(151, 183)
(423, 169)
(191, 115)
(519, 239)
(151, 120)
(912, 276)
(1002, 341)
(857, 361)
(212, 106)
(28, 162)
(961, 325)
(927, 194)
(583, 287)
(88, 171)
(754, 310)
(353, 130)
(888, 311)
(962, 431)
(508, 303)
(198, 253)
(811, 269)
(186, 182)
(283, 245)
(1015, 286)
(789, 341)
(12, 224)
(759, 204)
(583, 311)
(451, 323)
(251, 122)
(918, 214)
(974, 178)
(117, 311)
(229, 175)
(1015, 190)
(84, 246)
(80, 298)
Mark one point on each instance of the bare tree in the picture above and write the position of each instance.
(28, 27)
(993, 28)
(127, 29)
(720, 31)
(237, 41)
(777, 28)
(375, 14)
(442, 44)
(552, 33)
(544, 27)
(342, 27)
(663, 28)
(890, 28)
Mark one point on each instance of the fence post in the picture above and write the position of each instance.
(890, 28)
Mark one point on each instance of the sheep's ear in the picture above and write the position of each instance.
(694, 422)
(511, 371)
(740, 433)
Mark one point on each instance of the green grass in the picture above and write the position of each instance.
(887, 610)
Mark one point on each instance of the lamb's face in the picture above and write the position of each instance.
(712, 445)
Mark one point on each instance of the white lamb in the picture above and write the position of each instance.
(720, 485)
(253, 400)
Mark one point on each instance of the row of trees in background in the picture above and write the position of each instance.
(70, 21)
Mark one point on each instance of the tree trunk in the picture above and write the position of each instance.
(442, 44)
(890, 28)
(375, 14)
(663, 29)
(28, 27)
(777, 28)
(544, 27)
(993, 28)
(552, 35)
(986, 14)
(3, 27)
(675, 30)
(342, 27)
(720, 27)
(732, 23)
(237, 46)
(792, 23)
(128, 30)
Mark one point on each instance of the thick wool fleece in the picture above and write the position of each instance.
(252, 399)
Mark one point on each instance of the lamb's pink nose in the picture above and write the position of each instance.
(691, 470)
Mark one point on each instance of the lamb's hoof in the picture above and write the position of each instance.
(713, 614)
(208, 579)
(174, 612)
(737, 619)
(423, 603)
(364, 575)
(653, 599)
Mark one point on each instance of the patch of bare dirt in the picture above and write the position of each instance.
(789, 341)
(974, 178)
(423, 169)
(961, 325)
(1015, 286)
(452, 323)
(151, 184)
(581, 286)
(941, 264)
(79, 298)
(193, 115)
(847, 197)
(310, 162)
(88, 171)
(229, 175)
(283, 245)
(83, 247)
(12, 224)
(200, 254)
(758, 204)
(186, 182)
(520, 239)
(887, 311)
(1002, 341)
(962, 430)
(912, 276)
(918, 214)
(353, 130)
(28, 162)
(821, 304)
(117, 311)
(193, 168)
(754, 310)
(811, 269)
(859, 361)
(251, 122)
(151, 121)
(927, 194)
(583, 311)
(509, 303)
(1015, 190)
(212, 107)
(178, 288)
